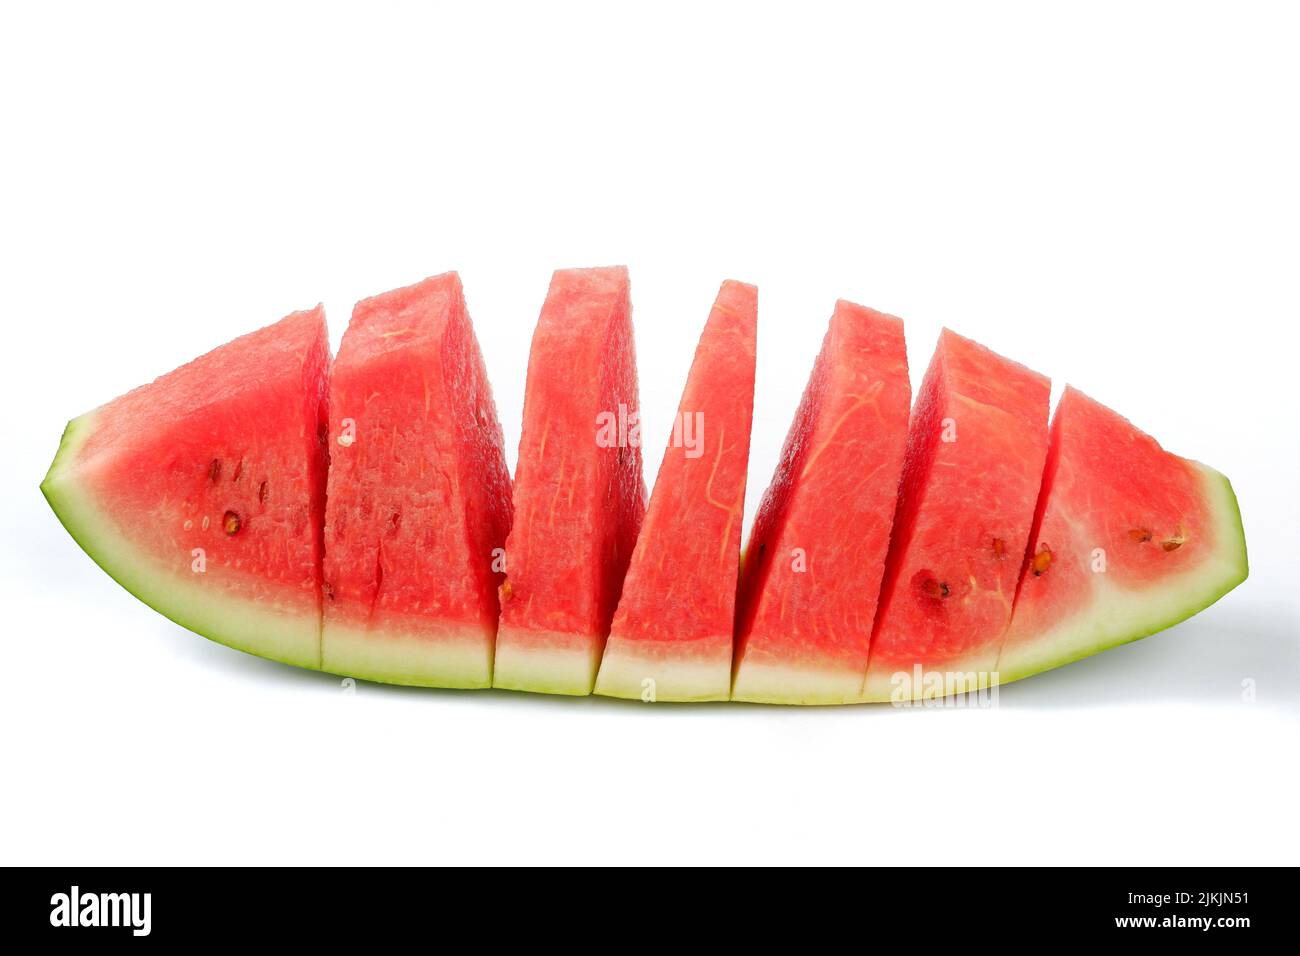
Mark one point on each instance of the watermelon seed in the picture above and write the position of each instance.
(1140, 535)
(261, 493)
(935, 589)
(231, 523)
(999, 548)
(1041, 560)
(239, 470)
(1171, 544)
(507, 590)
(395, 519)
(214, 470)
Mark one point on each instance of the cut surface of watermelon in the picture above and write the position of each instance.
(671, 636)
(813, 564)
(419, 495)
(202, 492)
(1128, 539)
(975, 452)
(579, 496)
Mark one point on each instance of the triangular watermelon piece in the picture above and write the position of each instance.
(202, 492)
(671, 636)
(1128, 539)
(815, 557)
(579, 494)
(975, 452)
(419, 494)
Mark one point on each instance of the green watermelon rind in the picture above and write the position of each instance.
(286, 637)
(1153, 609)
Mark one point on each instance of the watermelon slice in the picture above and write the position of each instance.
(975, 453)
(671, 636)
(579, 494)
(1127, 540)
(815, 557)
(202, 493)
(419, 494)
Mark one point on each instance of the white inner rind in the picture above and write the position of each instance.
(545, 663)
(281, 633)
(780, 684)
(902, 683)
(1117, 615)
(419, 661)
(627, 674)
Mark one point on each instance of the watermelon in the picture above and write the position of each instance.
(671, 635)
(1127, 540)
(419, 495)
(878, 547)
(975, 452)
(203, 492)
(579, 496)
(816, 554)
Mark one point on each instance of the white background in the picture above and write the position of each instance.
(1107, 193)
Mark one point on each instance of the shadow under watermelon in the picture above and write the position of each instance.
(1233, 656)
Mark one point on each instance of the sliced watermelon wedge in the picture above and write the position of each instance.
(202, 493)
(419, 495)
(815, 557)
(975, 452)
(671, 635)
(579, 495)
(1127, 540)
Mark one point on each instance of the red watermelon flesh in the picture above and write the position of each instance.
(975, 452)
(579, 495)
(202, 492)
(815, 557)
(1127, 540)
(671, 635)
(419, 494)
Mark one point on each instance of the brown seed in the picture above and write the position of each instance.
(230, 522)
(261, 493)
(1140, 535)
(999, 548)
(239, 470)
(507, 590)
(1171, 544)
(214, 470)
(935, 589)
(1042, 560)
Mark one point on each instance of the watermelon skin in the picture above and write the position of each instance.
(965, 508)
(225, 455)
(803, 635)
(578, 503)
(419, 494)
(672, 633)
(1169, 530)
